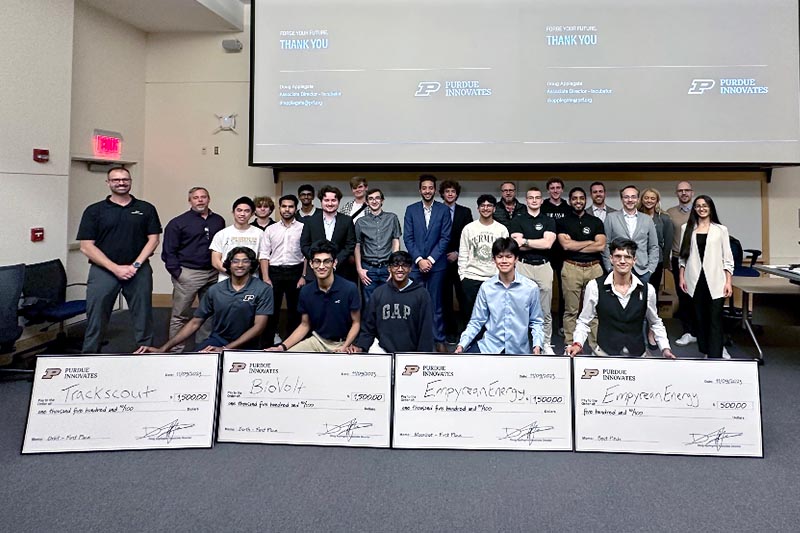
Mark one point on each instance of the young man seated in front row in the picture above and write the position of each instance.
(507, 306)
(398, 315)
(620, 302)
(330, 307)
(240, 306)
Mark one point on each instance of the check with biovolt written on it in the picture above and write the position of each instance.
(303, 398)
(496, 402)
(122, 402)
(667, 406)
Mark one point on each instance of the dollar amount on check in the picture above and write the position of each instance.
(666, 406)
(299, 398)
(122, 402)
(482, 402)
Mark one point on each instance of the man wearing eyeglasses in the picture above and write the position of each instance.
(398, 316)
(377, 236)
(188, 260)
(240, 306)
(508, 207)
(119, 235)
(679, 215)
(631, 224)
(621, 302)
(330, 307)
(475, 261)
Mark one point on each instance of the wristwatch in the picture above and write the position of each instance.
(136, 264)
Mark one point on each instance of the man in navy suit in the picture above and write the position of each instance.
(460, 216)
(426, 232)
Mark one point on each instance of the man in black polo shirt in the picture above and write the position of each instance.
(583, 238)
(535, 234)
(620, 301)
(330, 308)
(119, 235)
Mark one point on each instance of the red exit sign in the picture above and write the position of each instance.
(107, 146)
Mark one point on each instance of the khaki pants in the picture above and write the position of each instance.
(191, 283)
(316, 344)
(542, 275)
(574, 280)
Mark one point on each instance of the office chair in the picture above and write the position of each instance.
(731, 314)
(11, 280)
(45, 298)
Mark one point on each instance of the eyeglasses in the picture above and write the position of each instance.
(685, 190)
(240, 261)
(400, 265)
(486, 206)
(318, 262)
(119, 180)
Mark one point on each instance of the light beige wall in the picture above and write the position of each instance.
(190, 78)
(35, 69)
(107, 93)
(784, 218)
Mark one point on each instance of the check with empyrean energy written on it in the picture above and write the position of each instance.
(667, 406)
(304, 398)
(501, 402)
(122, 402)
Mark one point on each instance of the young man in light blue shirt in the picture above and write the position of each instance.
(508, 306)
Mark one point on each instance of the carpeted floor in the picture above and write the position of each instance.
(236, 487)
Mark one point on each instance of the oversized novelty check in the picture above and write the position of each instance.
(303, 398)
(122, 402)
(494, 402)
(667, 406)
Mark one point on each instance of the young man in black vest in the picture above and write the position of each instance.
(620, 301)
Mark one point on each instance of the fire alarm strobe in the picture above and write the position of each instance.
(37, 234)
(40, 155)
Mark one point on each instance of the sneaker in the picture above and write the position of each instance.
(686, 339)
(547, 349)
(725, 354)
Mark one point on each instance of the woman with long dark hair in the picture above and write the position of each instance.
(706, 267)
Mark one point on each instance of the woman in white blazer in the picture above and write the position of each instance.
(706, 267)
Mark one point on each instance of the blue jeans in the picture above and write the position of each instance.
(378, 275)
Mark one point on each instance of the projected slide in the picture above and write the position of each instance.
(502, 81)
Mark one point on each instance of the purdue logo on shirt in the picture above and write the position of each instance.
(538, 226)
(249, 297)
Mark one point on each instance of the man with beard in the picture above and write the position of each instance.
(583, 238)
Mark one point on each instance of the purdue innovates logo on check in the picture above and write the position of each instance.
(236, 367)
(410, 369)
(50, 373)
(589, 373)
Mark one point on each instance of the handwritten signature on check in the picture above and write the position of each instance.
(166, 432)
(345, 430)
(525, 433)
(715, 438)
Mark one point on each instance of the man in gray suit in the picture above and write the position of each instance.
(638, 227)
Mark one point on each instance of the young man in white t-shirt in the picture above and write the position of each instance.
(240, 233)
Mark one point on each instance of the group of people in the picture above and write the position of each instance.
(349, 287)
